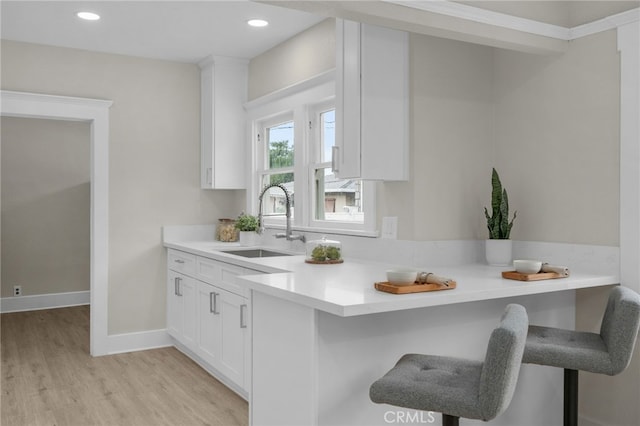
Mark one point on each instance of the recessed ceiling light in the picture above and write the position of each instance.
(89, 16)
(257, 22)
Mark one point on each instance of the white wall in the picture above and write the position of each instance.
(557, 133)
(45, 206)
(154, 162)
(451, 139)
(305, 55)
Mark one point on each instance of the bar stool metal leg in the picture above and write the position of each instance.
(570, 397)
(448, 420)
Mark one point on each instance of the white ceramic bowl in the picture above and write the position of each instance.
(402, 276)
(527, 266)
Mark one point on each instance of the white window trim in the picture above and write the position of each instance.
(300, 99)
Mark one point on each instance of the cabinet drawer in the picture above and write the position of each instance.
(229, 279)
(208, 270)
(181, 262)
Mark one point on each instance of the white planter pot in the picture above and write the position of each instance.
(499, 252)
(249, 238)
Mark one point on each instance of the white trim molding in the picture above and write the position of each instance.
(605, 24)
(628, 36)
(96, 113)
(503, 20)
(44, 301)
(484, 16)
(139, 341)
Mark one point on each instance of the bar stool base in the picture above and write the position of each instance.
(448, 420)
(570, 397)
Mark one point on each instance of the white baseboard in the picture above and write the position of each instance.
(139, 341)
(586, 421)
(44, 301)
(212, 371)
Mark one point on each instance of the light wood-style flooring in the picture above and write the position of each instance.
(49, 378)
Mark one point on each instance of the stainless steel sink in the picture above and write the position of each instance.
(256, 253)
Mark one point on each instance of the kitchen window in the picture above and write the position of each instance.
(276, 139)
(334, 201)
(292, 146)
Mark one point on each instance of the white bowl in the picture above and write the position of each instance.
(402, 276)
(527, 266)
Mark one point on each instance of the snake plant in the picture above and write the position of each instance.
(498, 223)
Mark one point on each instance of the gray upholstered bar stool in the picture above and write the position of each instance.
(606, 353)
(458, 387)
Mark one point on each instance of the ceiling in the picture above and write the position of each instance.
(184, 31)
(188, 31)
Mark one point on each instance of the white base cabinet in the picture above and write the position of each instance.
(223, 337)
(208, 314)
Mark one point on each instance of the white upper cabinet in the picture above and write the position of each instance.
(372, 102)
(222, 117)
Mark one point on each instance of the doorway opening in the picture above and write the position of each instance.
(96, 113)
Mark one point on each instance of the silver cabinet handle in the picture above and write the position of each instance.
(242, 323)
(209, 175)
(335, 151)
(179, 261)
(213, 303)
(176, 283)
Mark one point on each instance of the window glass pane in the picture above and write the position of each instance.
(328, 134)
(280, 140)
(274, 200)
(338, 200)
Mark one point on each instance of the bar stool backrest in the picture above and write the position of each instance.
(619, 328)
(502, 362)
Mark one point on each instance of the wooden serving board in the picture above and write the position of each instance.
(513, 275)
(324, 262)
(415, 288)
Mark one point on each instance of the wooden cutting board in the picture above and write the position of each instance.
(513, 275)
(415, 288)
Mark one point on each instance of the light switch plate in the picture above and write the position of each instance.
(390, 227)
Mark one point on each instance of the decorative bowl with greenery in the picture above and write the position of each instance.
(247, 223)
(498, 223)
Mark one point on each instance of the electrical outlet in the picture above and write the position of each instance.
(17, 290)
(390, 227)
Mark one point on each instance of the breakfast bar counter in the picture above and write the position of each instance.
(348, 289)
(321, 337)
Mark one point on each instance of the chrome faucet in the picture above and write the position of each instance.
(288, 235)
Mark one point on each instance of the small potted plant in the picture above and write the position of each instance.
(498, 247)
(247, 225)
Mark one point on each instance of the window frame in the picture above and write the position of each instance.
(314, 144)
(300, 102)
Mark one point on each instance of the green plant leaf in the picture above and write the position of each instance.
(498, 223)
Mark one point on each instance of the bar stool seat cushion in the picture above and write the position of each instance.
(432, 383)
(606, 353)
(567, 349)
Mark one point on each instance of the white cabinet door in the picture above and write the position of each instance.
(235, 336)
(223, 85)
(174, 305)
(181, 308)
(372, 102)
(210, 323)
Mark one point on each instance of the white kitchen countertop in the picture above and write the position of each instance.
(347, 289)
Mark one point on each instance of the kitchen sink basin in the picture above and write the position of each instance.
(256, 253)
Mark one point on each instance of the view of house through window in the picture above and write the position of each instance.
(337, 200)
